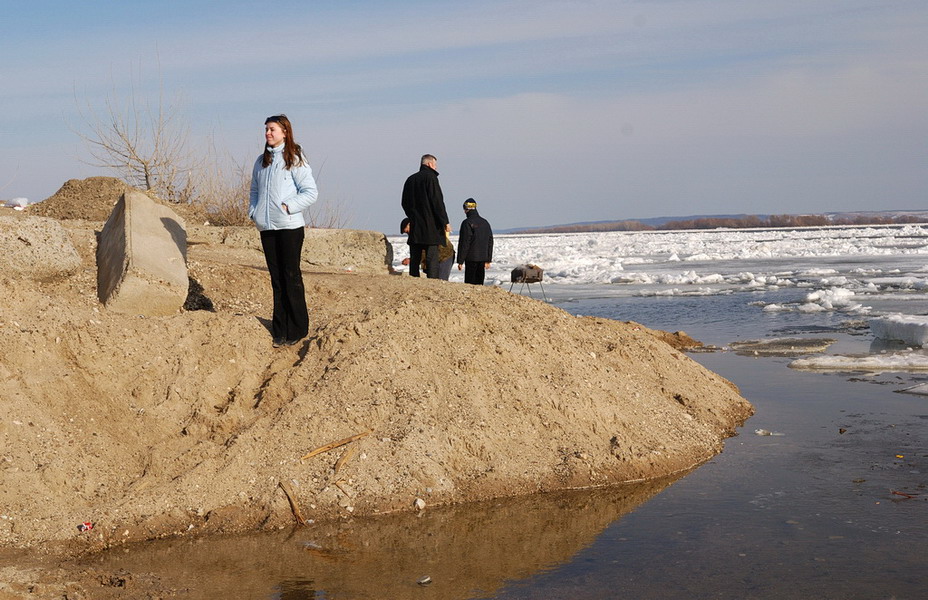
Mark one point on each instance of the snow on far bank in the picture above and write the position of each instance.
(909, 329)
(15, 203)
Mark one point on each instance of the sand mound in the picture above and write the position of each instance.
(90, 199)
(93, 199)
(191, 423)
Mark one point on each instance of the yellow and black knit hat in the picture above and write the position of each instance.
(470, 204)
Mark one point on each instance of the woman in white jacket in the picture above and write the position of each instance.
(282, 187)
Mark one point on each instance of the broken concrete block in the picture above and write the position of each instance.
(142, 258)
(36, 247)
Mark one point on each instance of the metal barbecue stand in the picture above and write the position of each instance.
(527, 275)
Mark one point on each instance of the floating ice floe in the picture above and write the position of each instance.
(909, 361)
(920, 389)
(816, 272)
(702, 291)
(902, 283)
(909, 329)
(766, 432)
(827, 300)
(832, 299)
(781, 346)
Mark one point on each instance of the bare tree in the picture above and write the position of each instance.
(144, 142)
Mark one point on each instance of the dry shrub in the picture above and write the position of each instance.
(221, 190)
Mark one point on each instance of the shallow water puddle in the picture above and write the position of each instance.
(452, 552)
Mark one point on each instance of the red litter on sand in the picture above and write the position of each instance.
(85, 526)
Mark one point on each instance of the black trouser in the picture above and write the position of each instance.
(431, 260)
(474, 272)
(282, 251)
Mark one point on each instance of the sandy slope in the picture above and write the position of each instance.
(188, 424)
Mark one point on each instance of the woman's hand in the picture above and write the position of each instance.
(285, 207)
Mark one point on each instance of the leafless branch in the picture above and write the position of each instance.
(144, 142)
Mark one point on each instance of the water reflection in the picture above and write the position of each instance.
(466, 551)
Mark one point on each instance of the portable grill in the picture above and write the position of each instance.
(527, 275)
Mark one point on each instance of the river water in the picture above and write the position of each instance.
(810, 513)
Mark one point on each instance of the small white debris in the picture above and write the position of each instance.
(424, 580)
(419, 504)
(765, 432)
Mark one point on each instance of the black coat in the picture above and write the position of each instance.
(475, 241)
(424, 204)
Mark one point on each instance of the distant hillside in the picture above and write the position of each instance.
(735, 221)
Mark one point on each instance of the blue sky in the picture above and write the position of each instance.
(544, 111)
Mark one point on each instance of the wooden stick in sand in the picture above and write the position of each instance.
(293, 505)
(340, 484)
(337, 444)
(345, 457)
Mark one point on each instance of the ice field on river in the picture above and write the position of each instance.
(876, 275)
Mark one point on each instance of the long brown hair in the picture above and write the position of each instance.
(293, 153)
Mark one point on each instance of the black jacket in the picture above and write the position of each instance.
(424, 204)
(475, 242)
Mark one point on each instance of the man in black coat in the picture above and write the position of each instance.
(424, 204)
(475, 244)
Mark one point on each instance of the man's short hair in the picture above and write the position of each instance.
(428, 158)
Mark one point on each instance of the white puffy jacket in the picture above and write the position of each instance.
(273, 186)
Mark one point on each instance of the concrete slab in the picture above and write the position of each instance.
(142, 258)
